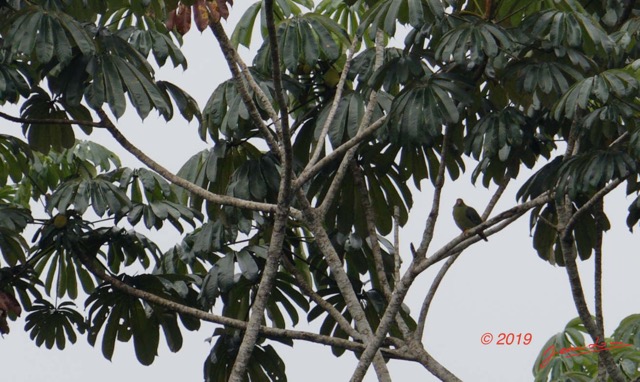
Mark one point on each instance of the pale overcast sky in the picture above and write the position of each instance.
(499, 286)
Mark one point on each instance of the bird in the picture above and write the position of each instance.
(466, 217)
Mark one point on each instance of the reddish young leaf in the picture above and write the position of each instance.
(223, 9)
(180, 19)
(201, 14)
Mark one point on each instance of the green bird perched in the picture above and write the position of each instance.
(466, 217)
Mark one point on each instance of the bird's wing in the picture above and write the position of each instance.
(473, 216)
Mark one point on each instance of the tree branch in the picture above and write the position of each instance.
(315, 297)
(48, 121)
(597, 197)
(341, 150)
(396, 243)
(445, 268)
(569, 254)
(233, 60)
(334, 105)
(268, 332)
(251, 335)
(426, 304)
(366, 118)
(597, 275)
(463, 241)
(430, 226)
(433, 366)
(191, 187)
(342, 280)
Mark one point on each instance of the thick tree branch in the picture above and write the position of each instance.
(251, 335)
(233, 60)
(566, 221)
(92, 265)
(393, 307)
(342, 280)
(191, 187)
(597, 275)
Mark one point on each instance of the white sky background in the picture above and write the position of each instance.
(499, 286)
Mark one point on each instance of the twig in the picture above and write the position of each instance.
(430, 226)
(334, 105)
(370, 218)
(49, 121)
(341, 150)
(426, 304)
(396, 243)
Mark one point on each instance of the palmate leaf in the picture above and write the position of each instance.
(62, 274)
(503, 140)
(307, 39)
(420, 111)
(386, 14)
(283, 9)
(256, 179)
(570, 28)
(47, 34)
(599, 89)
(121, 316)
(386, 187)
(546, 240)
(550, 364)
(225, 113)
(153, 41)
(285, 295)
(222, 279)
(43, 137)
(152, 200)
(264, 365)
(398, 68)
(472, 41)
(566, 356)
(348, 14)
(13, 221)
(539, 82)
(587, 173)
(51, 324)
(99, 193)
(212, 169)
(15, 158)
(14, 81)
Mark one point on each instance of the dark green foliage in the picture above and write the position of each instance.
(567, 356)
(510, 84)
